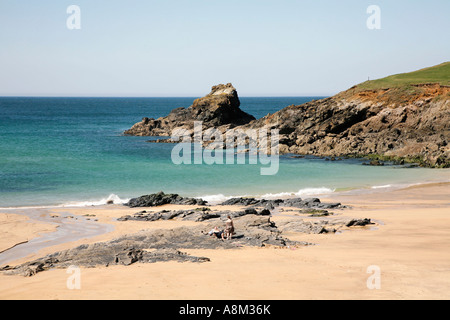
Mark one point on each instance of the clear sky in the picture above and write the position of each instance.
(183, 47)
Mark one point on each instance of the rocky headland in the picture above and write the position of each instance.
(384, 124)
(399, 118)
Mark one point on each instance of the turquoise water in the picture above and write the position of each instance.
(56, 151)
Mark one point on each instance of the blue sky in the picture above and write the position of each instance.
(182, 48)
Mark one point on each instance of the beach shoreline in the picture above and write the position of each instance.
(410, 245)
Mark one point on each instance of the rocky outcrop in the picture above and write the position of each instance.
(200, 214)
(220, 108)
(308, 227)
(151, 246)
(359, 222)
(311, 203)
(385, 124)
(118, 252)
(322, 226)
(160, 198)
(194, 215)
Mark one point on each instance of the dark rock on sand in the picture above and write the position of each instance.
(316, 212)
(359, 222)
(160, 245)
(321, 226)
(314, 227)
(240, 202)
(270, 204)
(101, 254)
(160, 198)
(192, 215)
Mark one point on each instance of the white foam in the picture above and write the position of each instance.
(215, 198)
(219, 198)
(299, 193)
(382, 187)
(112, 198)
(78, 204)
(30, 207)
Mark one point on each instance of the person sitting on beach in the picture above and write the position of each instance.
(217, 232)
(229, 228)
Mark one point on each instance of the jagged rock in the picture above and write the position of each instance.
(316, 212)
(171, 255)
(128, 256)
(271, 204)
(160, 198)
(315, 227)
(32, 269)
(374, 163)
(321, 226)
(240, 201)
(191, 215)
(219, 108)
(359, 222)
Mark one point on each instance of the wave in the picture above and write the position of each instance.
(112, 199)
(300, 193)
(382, 187)
(219, 198)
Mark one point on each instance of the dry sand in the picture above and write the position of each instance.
(410, 246)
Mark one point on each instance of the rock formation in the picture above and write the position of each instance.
(385, 124)
(310, 203)
(219, 108)
(161, 198)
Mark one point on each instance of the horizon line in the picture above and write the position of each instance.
(181, 96)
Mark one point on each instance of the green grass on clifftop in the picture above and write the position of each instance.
(438, 74)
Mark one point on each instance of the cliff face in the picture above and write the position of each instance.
(219, 108)
(387, 123)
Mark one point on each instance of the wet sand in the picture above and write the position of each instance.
(43, 229)
(19, 229)
(410, 247)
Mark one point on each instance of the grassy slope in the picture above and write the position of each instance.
(438, 74)
(401, 88)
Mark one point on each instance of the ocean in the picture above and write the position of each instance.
(71, 151)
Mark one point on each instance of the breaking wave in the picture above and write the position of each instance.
(112, 199)
(219, 198)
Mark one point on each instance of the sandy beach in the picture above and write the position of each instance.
(17, 229)
(410, 247)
